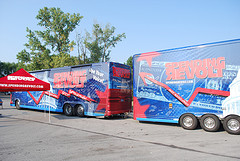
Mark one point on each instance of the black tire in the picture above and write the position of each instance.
(231, 124)
(210, 123)
(188, 122)
(17, 104)
(68, 110)
(79, 110)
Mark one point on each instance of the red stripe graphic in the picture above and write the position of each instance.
(182, 100)
(60, 92)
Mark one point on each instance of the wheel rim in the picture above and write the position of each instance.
(79, 110)
(209, 123)
(188, 121)
(17, 104)
(233, 124)
(68, 109)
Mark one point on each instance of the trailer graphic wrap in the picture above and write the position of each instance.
(194, 79)
(70, 79)
(121, 78)
(88, 86)
(232, 103)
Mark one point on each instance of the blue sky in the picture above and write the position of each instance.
(150, 25)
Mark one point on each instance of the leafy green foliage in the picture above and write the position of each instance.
(100, 43)
(58, 26)
(7, 68)
(129, 61)
(63, 59)
(51, 47)
(82, 49)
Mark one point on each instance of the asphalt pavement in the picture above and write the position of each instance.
(27, 135)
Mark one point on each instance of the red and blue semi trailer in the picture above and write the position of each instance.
(189, 85)
(99, 89)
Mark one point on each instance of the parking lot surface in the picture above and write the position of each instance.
(36, 135)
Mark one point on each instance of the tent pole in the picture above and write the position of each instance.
(49, 108)
(44, 106)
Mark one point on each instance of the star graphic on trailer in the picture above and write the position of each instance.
(139, 109)
(102, 103)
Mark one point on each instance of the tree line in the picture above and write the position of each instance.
(51, 46)
(7, 68)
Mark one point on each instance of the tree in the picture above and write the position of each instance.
(7, 68)
(51, 47)
(100, 43)
(81, 47)
(129, 61)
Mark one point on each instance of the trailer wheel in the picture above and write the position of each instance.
(188, 121)
(68, 110)
(232, 124)
(17, 104)
(210, 123)
(79, 110)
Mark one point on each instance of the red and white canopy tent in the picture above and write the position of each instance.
(21, 80)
